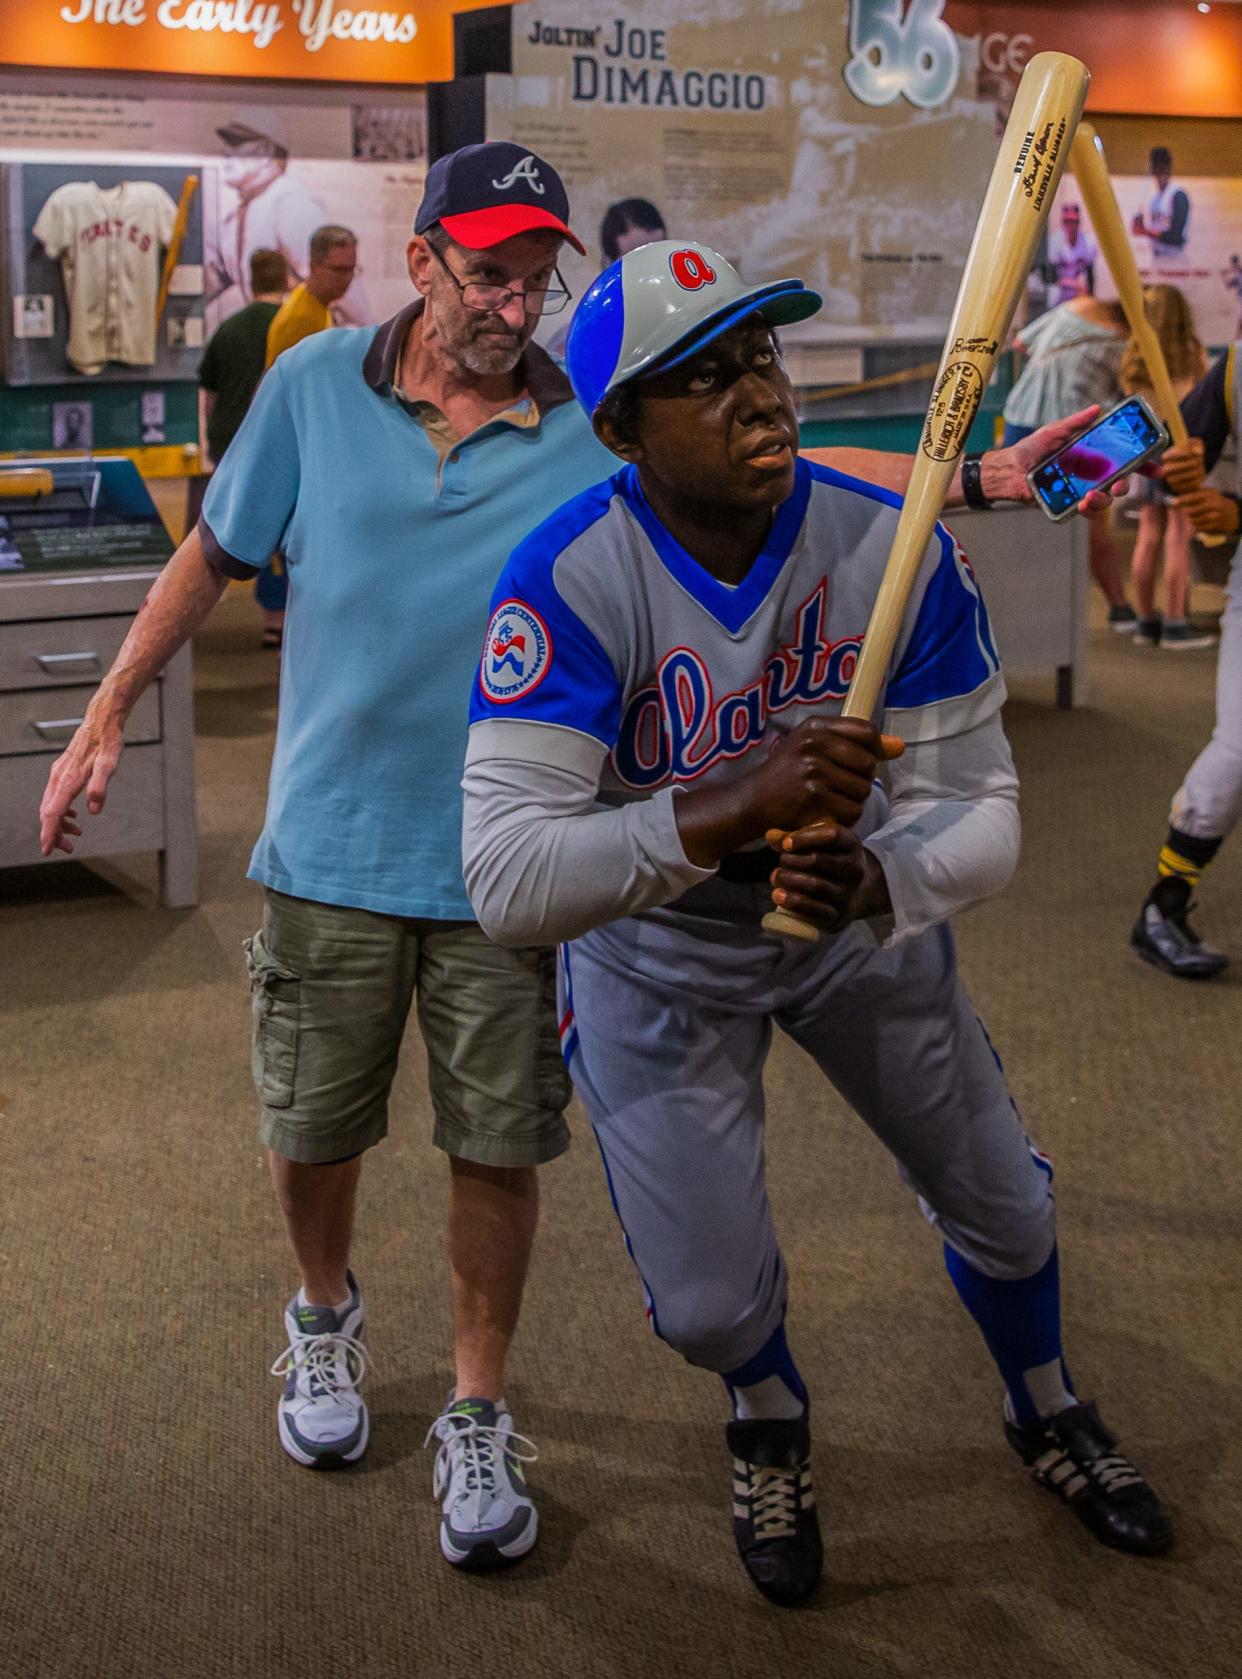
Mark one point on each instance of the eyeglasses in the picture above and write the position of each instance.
(489, 300)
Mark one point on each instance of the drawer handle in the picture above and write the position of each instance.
(55, 662)
(59, 728)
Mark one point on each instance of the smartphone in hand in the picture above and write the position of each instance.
(1115, 444)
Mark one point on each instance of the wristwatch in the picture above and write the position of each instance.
(972, 483)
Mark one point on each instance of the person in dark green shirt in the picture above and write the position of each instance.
(228, 377)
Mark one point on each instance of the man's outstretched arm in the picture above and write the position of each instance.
(1002, 471)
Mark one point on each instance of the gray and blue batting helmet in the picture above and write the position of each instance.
(661, 303)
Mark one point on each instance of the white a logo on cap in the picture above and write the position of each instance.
(525, 169)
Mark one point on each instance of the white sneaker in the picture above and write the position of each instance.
(489, 1519)
(322, 1419)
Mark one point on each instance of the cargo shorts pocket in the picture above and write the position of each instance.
(275, 1005)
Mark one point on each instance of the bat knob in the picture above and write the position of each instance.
(781, 924)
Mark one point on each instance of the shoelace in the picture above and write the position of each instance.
(1115, 1472)
(316, 1356)
(774, 1501)
(475, 1446)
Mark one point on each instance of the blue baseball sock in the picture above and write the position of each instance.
(768, 1385)
(1021, 1323)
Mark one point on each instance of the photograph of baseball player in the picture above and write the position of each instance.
(1072, 256)
(264, 205)
(1208, 803)
(654, 747)
(1165, 219)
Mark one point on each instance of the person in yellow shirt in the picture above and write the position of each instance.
(307, 309)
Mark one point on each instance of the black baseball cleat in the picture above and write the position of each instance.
(774, 1519)
(1163, 936)
(1075, 1456)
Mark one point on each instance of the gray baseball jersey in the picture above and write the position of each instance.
(632, 671)
(614, 670)
(109, 241)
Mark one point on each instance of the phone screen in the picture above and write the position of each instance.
(1112, 444)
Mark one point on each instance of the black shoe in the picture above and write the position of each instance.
(1123, 620)
(774, 1519)
(1147, 631)
(1075, 1456)
(1163, 936)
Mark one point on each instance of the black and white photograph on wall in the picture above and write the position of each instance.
(390, 133)
(185, 332)
(153, 412)
(34, 315)
(73, 425)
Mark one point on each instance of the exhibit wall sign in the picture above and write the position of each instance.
(847, 143)
(318, 40)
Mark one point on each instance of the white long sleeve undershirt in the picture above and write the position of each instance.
(544, 861)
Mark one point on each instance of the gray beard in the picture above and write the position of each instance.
(489, 363)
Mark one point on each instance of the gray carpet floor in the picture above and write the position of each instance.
(150, 1525)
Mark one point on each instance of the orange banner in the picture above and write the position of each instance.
(1149, 57)
(302, 40)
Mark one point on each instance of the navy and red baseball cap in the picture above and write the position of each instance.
(484, 194)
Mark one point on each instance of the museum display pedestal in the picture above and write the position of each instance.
(1035, 580)
(58, 636)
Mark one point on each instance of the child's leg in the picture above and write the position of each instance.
(1146, 553)
(1177, 536)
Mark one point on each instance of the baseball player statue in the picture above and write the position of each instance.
(658, 695)
(1207, 805)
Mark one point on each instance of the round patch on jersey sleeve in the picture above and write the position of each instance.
(516, 654)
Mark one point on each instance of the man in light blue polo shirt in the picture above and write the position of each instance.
(395, 470)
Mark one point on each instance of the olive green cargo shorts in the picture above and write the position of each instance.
(331, 990)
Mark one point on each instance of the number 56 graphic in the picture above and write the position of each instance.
(916, 58)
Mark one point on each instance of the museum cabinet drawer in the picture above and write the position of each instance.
(42, 720)
(59, 652)
(132, 820)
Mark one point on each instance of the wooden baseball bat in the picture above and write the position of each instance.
(1032, 154)
(1091, 172)
(188, 188)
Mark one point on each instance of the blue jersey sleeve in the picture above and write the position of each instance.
(254, 490)
(950, 652)
(540, 662)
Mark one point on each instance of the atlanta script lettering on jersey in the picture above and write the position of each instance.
(676, 729)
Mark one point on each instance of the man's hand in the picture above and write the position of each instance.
(827, 877)
(1003, 471)
(88, 761)
(1210, 512)
(1182, 467)
(821, 771)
